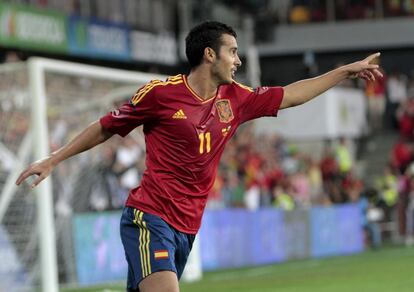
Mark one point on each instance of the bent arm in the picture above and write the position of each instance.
(302, 91)
(93, 135)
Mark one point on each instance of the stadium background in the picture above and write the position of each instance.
(336, 192)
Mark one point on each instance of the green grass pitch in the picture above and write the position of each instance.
(384, 270)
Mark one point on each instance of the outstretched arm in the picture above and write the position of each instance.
(302, 91)
(93, 135)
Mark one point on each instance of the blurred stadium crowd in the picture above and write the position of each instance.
(303, 11)
(135, 13)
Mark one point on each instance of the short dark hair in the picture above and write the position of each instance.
(206, 34)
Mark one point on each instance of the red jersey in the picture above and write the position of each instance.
(185, 137)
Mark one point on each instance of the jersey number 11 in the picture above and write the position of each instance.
(207, 138)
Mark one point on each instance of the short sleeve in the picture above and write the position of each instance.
(262, 102)
(140, 109)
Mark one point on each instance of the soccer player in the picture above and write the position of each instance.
(187, 121)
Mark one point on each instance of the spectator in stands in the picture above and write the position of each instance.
(300, 13)
(387, 185)
(397, 95)
(252, 196)
(315, 181)
(234, 190)
(405, 116)
(371, 216)
(351, 186)
(282, 198)
(215, 200)
(343, 157)
(12, 57)
(375, 92)
(291, 161)
(126, 156)
(330, 172)
(272, 176)
(111, 177)
(401, 155)
(301, 187)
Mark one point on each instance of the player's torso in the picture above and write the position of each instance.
(192, 131)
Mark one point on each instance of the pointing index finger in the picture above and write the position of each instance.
(372, 57)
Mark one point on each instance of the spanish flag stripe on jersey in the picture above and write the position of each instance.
(141, 93)
(161, 254)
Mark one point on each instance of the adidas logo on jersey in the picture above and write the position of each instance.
(179, 115)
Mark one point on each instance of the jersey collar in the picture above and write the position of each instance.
(195, 95)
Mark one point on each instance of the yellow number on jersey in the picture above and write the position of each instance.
(207, 138)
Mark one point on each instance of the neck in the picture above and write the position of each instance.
(202, 83)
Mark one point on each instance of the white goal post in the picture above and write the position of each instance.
(37, 67)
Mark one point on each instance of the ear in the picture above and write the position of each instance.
(209, 55)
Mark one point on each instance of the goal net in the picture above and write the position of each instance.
(43, 104)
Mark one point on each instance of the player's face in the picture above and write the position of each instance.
(227, 61)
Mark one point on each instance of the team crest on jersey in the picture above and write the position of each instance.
(224, 110)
